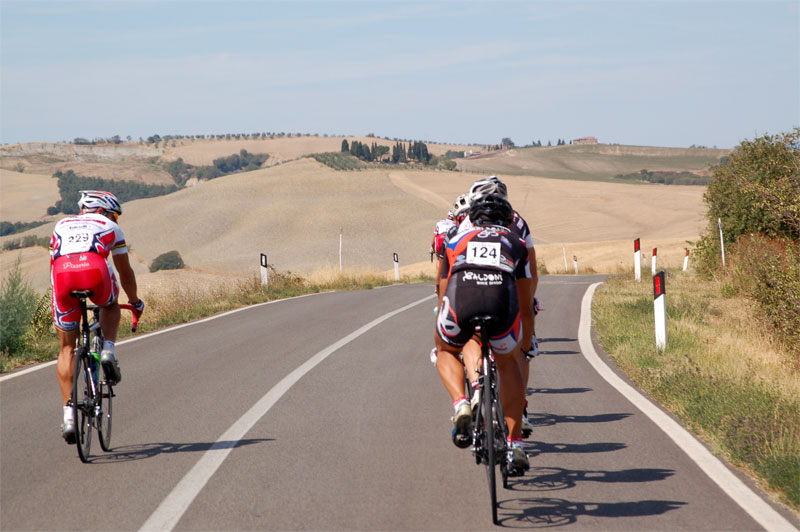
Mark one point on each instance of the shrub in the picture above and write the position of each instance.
(17, 304)
(768, 271)
(171, 260)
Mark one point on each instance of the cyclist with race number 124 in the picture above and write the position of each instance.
(485, 270)
(79, 248)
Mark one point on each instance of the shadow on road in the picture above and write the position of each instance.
(534, 448)
(545, 340)
(128, 453)
(540, 419)
(559, 390)
(556, 478)
(546, 512)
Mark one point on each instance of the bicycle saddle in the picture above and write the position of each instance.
(81, 293)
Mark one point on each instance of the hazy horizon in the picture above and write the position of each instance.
(667, 74)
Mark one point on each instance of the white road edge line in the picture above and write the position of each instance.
(172, 508)
(162, 331)
(737, 490)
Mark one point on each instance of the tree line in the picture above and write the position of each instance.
(181, 172)
(666, 177)
(70, 184)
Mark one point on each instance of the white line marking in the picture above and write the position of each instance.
(172, 508)
(162, 331)
(737, 490)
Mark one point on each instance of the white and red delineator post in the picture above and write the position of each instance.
(396, 267)
(686, 260)
(660, 309)
(264, 276)
(655, 257)
(637, 261)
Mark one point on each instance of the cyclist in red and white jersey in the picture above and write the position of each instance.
(79, 249)
(485, 270)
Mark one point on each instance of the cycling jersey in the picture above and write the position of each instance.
(88, 232)
(518, 226)
(482, 265)
(79, 249)
(439, 234)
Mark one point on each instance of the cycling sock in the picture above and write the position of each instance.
(458, 402)
(512, 441)
(474, 384)
(67, 413)
(108, 345)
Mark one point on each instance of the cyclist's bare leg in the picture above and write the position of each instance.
(471, 355)
(109, 321)
(451, 371)
(511, 393)
(66, 362)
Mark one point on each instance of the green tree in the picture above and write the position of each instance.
(507, 142)
(345, 146)
(171, 260)
(17, 304)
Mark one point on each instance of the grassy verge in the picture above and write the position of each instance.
(720, 374)
(185, 302)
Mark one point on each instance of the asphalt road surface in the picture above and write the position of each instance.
(325, 413)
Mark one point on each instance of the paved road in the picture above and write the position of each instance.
(324, 413)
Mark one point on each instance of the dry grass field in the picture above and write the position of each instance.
(593, 161)
(26, 197)
(294, 211)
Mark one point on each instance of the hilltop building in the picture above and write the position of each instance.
(585, 140)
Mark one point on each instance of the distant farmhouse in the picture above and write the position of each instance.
(585, 140)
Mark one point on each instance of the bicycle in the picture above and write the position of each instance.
(91, 397)
(489, 431)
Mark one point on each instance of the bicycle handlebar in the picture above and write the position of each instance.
(135, 323)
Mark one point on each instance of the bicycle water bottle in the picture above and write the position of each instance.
(94, 364)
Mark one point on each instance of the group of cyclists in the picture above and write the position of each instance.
(486, 265)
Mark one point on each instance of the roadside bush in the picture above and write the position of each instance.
(17, 304)
(768, 270)
(171, 260)
(26, 242)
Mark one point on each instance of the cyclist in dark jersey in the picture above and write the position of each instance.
(485, 270)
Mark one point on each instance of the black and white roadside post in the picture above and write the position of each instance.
(396, 267)
(264, 276)
(575, 262)
(660, 309)
(721, 241)
(655, 258)
(686, 260)
(637, 261)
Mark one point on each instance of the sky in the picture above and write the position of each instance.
(649, 73)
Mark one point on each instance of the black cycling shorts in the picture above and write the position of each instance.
(475, 292)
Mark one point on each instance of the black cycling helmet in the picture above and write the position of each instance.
(491, 209)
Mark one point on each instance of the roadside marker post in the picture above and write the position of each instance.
(721, 241)
(575, 262)
(660, 309)
(655, 257)
(396, 267)
(564, 249)
(686, 260)
(637, 261)
(264, 275)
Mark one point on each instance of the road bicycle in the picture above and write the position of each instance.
(92, 393)
(489, 431)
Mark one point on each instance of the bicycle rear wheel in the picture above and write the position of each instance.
(491, 445)
(103, 420)
(82, 403)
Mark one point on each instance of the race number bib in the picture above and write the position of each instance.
(483, 253)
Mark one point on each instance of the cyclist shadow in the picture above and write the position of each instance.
(530, 391)
(550, 512)
(541, 419)
(557, 478)
(127, 453)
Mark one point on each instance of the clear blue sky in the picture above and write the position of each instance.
(646, 73)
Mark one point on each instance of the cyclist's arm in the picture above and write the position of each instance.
(126, 276)
(534, 272)
(526, 312)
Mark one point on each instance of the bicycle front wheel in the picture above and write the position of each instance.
(103, 417)
(82, 403)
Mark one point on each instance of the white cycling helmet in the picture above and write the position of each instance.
(487, 185)
(91, 200)
(461, 206)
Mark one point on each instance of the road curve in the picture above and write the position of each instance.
(324, 413)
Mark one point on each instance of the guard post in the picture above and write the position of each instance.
(264, 274)
(660, 309)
